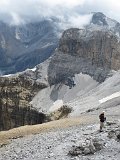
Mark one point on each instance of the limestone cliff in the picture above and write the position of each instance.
(94, 52)
(15, 94)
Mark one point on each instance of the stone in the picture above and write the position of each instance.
(75, 151)
(109, 123)
(87, 147)
(87, 151)
(118, 136)
(111, 134)
(98, 144)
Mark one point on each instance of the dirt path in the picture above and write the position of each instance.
(5, 136)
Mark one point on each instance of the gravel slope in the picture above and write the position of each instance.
(57, 143)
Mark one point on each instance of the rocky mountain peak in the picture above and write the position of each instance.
(101, 22)
(99, 18)
(25, 46)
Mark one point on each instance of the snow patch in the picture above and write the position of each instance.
(3, 43)
(114, 95)
(8, 75)
(17, 35)
(32, 69)
(47, 45)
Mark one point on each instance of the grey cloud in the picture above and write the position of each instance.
(71, 12)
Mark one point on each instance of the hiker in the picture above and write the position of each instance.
(102, 120)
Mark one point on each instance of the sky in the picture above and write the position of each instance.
(71, 12)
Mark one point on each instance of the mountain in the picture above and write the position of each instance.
(86, 61)
(83, 70)
(101, 22)
(26, 45)
(94, 50)
(70, 89)
(90, 52)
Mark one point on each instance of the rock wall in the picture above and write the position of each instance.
(101, 47)
(90, 52)
(15, 95)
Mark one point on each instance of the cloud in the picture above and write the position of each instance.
(75, 21)
(111, 8)
(71, 12)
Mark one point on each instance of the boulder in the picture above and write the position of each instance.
(87, 147)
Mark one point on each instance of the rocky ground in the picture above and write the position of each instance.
(64, 142)
(72, 138)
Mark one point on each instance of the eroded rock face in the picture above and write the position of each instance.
(102, 48)
(81, 50)
(15, 95)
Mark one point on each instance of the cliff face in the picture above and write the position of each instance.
(102, 48)
(15, 95)
(83, 50)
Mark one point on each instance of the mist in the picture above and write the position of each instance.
(71, 13)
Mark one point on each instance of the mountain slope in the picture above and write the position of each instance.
(26, 45)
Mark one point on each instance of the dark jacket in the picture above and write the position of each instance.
(102, 117)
